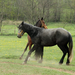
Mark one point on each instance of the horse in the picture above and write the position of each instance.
(39, 23)
(48, 37)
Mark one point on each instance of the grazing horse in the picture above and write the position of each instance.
(39, 23)
(48, 37)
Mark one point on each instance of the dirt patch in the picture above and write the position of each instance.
(60, 70)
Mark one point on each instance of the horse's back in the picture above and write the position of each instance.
(48, 37)
(53, 36)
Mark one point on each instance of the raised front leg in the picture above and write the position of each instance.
(29, 53)
(24, 51)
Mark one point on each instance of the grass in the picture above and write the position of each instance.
(12, 47)
(26, 70)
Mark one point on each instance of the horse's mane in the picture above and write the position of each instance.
(36, 22)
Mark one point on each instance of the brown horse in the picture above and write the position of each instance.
(39, 23)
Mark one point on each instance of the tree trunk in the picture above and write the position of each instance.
(0, 25)
(1, 22)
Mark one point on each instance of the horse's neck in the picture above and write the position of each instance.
(31, 30)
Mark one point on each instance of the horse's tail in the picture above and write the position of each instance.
(70, 49)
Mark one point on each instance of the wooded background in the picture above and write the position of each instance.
(30, 10)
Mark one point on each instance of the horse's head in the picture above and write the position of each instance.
(20, 30)
(41, 23)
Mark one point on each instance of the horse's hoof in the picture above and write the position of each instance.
(24, 63)
(40, 61)
(60, 63)
(67, 64)
(28, 58)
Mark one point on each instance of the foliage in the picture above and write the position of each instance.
(30, 10)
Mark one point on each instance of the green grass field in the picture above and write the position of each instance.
(12, 47)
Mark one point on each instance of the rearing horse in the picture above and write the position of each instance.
(39, 23)
(48, 37)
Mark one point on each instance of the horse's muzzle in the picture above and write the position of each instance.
(18, 36)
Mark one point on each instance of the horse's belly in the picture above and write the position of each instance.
(48, 43)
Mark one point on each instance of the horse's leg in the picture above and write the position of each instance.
(67, 63)
(62, 47)
(61, 61)
(66, 50)
(41, 55)
(30, 44)
(29, 53)
(24, 50)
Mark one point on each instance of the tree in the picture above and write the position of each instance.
(4, 7)
(72, 12)
(57, 11)
(31, 10)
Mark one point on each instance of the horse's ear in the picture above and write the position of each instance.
(42, 18)
(22, 22)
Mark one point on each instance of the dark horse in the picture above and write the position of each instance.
(48, 37)
(39, 23)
